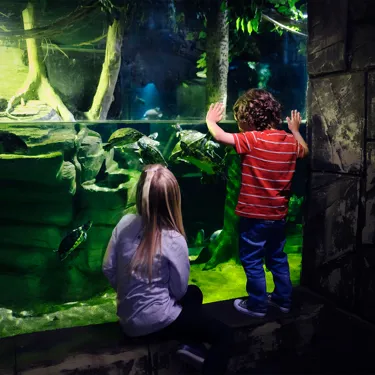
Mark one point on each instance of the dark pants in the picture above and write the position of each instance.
(193, 325)
(264, 239)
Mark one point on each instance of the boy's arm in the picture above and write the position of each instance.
(215, 115)
(294, 123)
(297, 135)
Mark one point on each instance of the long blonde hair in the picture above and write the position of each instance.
(158, 202)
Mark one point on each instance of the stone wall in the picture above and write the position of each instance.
(339, 243)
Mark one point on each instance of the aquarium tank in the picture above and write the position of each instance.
(93, 90)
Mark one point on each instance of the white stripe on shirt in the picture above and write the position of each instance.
(265, 215)
(274, 152)
(239, 145)
(268, 170)
(260, 205)
(260, 187)
(278, 143)
(266, 179)
(270, 161)
(260, 196)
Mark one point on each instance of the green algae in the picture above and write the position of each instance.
(226, 281)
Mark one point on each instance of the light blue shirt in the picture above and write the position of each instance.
(145, 307)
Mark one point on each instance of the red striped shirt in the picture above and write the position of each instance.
(268, 162)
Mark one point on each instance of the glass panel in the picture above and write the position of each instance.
(60, 169)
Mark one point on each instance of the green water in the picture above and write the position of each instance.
(66, 178)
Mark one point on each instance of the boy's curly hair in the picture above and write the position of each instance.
(257, 110)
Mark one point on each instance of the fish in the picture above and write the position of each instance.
(153, 113)
(140, 100)
(11, 143)
(74, 239)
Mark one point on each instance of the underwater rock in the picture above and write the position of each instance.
(106, 206)
(94, 248)
(11, 143)
(36, 212)
(91, 156)
(30, 236)
(17, 192)
(102, 205)
(368, 232)
(46, 138)
(25, 260)
(337, 126)
(42, 169)
(21, 290)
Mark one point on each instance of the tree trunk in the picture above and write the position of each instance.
(225, 246)
(37, 85)
(108, 78)
(217, 53)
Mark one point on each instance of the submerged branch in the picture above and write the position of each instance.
(56, 27)
(282, 26)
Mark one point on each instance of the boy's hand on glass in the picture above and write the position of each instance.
(294, 121)
(215, 113)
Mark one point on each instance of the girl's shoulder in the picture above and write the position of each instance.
(129, 221)
(173, 240)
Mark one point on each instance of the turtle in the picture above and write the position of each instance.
(71, 241)
(146, 148)
(123, 137)
(149, 153)
(198, 149)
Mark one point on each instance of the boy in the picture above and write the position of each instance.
(268, 160)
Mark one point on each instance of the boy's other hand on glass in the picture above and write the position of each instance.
(294, 121)
(215, 113)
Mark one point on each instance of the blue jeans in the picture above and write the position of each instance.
(264, 239)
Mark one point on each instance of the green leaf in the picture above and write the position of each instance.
(190, 36)
(202, 35)
(249, 28)
(185, 85)
(238, 20)
(283, 9)
(255, 24)
(243, 25)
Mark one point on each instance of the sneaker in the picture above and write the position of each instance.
(241, 306)
(194, 356)
(283, 309)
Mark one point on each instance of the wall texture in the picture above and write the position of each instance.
(339, 247)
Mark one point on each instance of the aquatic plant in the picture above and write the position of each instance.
(219, 19)
(294, 210)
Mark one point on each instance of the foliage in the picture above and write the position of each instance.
(295, 204)
(245, 17)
